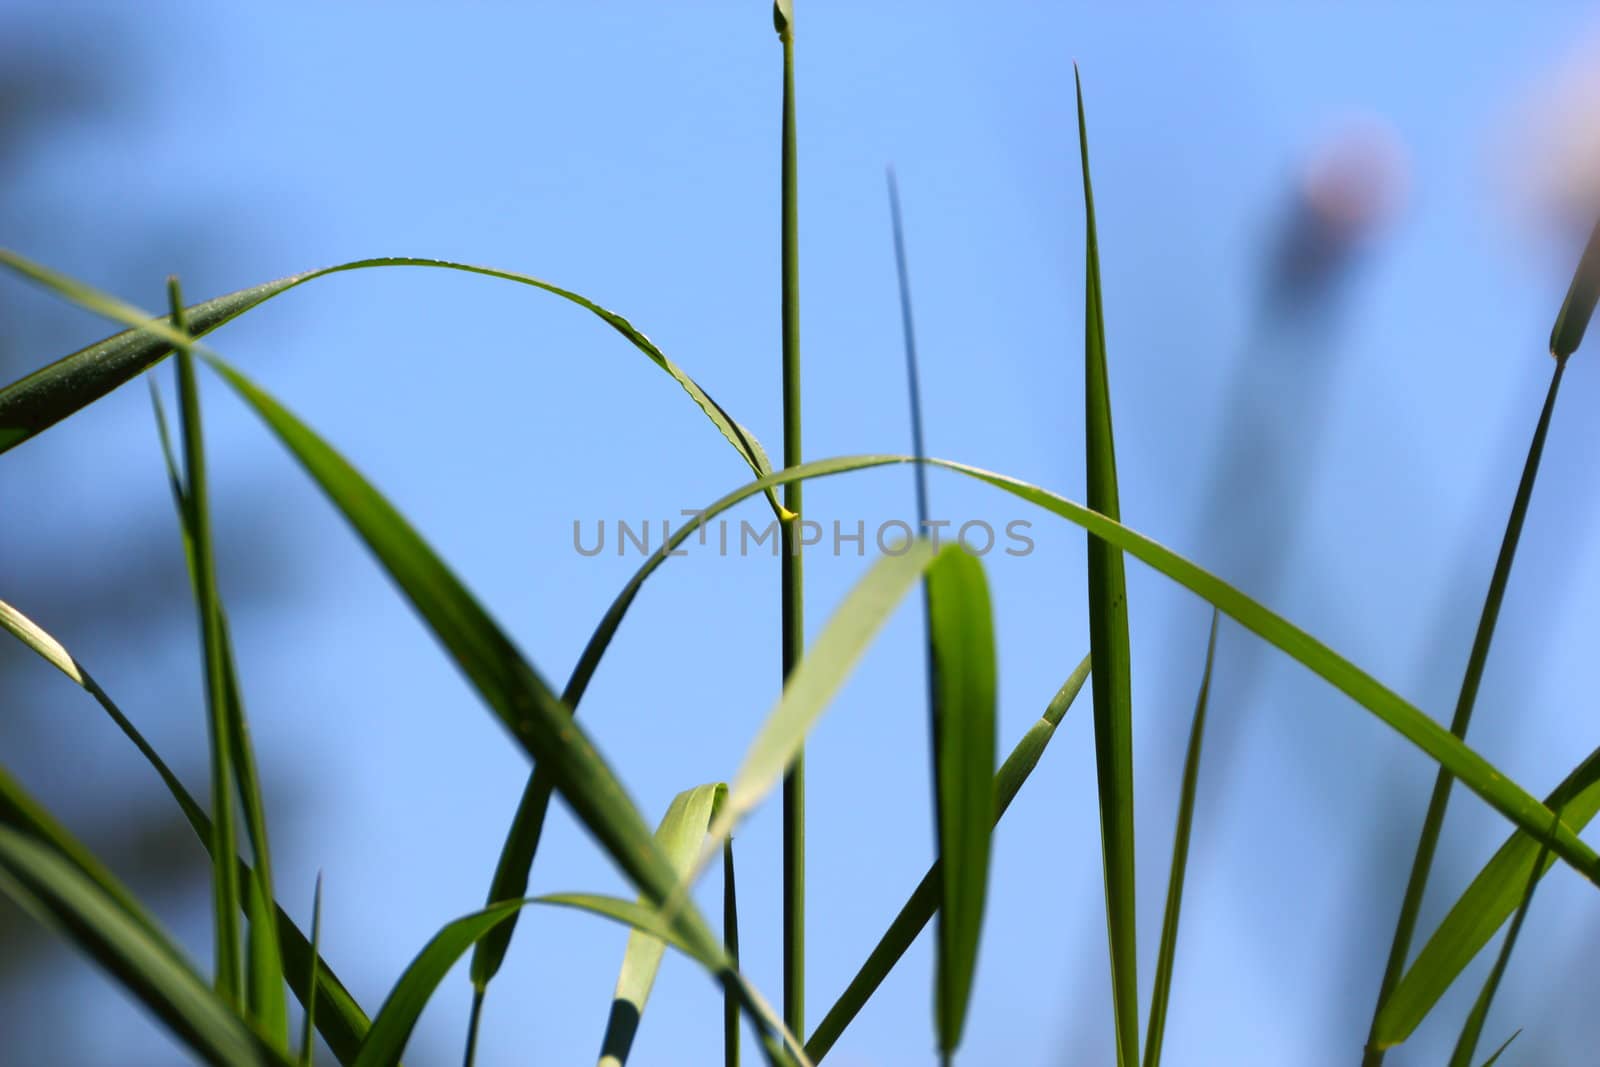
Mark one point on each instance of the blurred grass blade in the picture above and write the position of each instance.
(924, 900)
(1491, 898)
(813, 684)
(220, 730)
(961, 636)
(1477, 659)
(1578, 307)
(342, 1023)
(264, 975)
(1180, 860)
(1108, 644)
(730, 945)
(309, 1029)
(1490, 1062)
(1472, 1030)
(682, 830)
(33, 404)
(127, 946)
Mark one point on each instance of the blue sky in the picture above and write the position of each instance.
(630, 152)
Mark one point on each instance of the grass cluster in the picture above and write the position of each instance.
(240, 1015)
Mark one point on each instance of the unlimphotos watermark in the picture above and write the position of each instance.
(892, 538)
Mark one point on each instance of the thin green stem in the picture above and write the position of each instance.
(730, 944)
(1433, 822)
(794, 783)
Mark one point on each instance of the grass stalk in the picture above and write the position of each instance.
(730, 945)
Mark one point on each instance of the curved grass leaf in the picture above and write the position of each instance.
(680, 833)
(340, 1020)
(924, 900)
(1488, 902)
(812, 686)
(33, 404)
(1108, 643)
(61, 894)
(1167, 956)
(961, 640)
(1477, 773)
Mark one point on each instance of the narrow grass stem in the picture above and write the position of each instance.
(730, 945)
(1433, 822)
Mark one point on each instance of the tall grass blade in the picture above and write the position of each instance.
(38, 401)
(1438, 802)
(1490, 1062)
(1489, 900)
(792, 584)
(128, 946)
(1168, 954)
(924, 901)
(309, 1027)
(1108, 643)
(813, 684)
(682, 830)
(220, 731)
(961, 632)
(342, 1022)
(1472, 1030)
(730, 945)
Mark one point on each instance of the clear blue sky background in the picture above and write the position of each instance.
(629, 151)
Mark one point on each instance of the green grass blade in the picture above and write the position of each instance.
(680, 833)
(813, 684)
(220, 732)
(792, 586)
(1489, 900)
(1490, 1062)
(309, 1025)
(1438, 801)
(33, 404)
(1162, 990)
(1578, 307)
(60, 894)
(919, 909)
(1472, 1030)
(1108, 642)
(961, 633)
(730, 945)
(341, 1022)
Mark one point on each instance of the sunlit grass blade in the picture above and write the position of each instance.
(1490, 1062)
(1108, 643)
(341, 1022)
(219, 727)
(813, 684)
(308, 1027)
(682, 830)
(38, 401)
(1472, 1029)
(1438, 801)
(264, 975)
(924, 900)
(961, 636)
(129, 947)
(730, 945)
(1489, 900)
(1168, 954)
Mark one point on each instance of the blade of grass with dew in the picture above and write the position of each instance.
(342, 1022)
(792, 587)
(129, 947)
(812, 686)
(730, 945)
(309, 1023)
(1570, 322)
(961, 633)
(1503, 794)
(1161, 991)
(226, 899)
(509, 685)
(680, 833)
(1108, 642)
(34, 403)
(1489, 900)
(1472, 1029)
(264, 974)
(919, 909)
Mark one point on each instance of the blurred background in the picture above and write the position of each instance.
(1333, 243)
